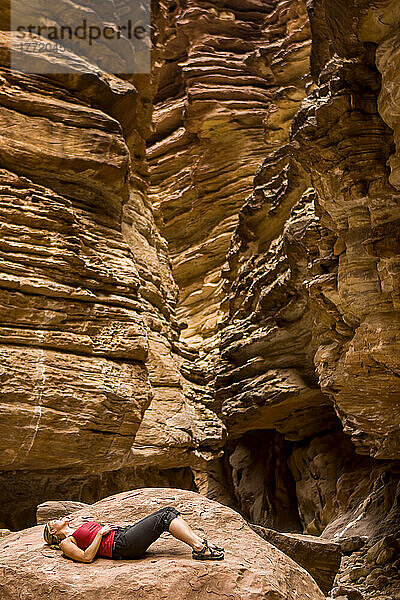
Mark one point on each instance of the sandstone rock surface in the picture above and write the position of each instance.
(219, 83)
(319, 557)
(252, 567)
(56, 509)
(88, 334)
(357, 203)
(4, 532)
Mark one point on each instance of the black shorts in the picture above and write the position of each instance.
(132, 541)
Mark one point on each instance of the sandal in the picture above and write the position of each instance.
(208, 552)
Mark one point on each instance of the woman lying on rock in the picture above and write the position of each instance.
(92, 539)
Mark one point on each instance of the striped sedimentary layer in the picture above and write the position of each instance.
(230, 82)
(88, 336)
(312, 311)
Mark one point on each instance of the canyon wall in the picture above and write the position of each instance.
(297, 338)
(89, 338)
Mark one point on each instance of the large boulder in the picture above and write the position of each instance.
(54, 509)
(319, 557)
(252, 569)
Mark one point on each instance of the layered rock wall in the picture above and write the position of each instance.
(342, 140)
(309, 344)
(87, 299)
(227, 70)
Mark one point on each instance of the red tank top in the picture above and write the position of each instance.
(86, 533)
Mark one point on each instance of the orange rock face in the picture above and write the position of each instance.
(87, 295)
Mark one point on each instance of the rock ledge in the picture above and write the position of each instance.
(253, 569)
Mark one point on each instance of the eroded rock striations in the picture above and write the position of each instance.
(342, 140)
(311, 332)
(88, 332)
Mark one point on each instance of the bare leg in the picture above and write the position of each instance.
(181, 530)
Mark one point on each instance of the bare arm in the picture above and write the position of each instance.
(71, 549)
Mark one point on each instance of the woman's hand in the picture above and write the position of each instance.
(106, 529)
